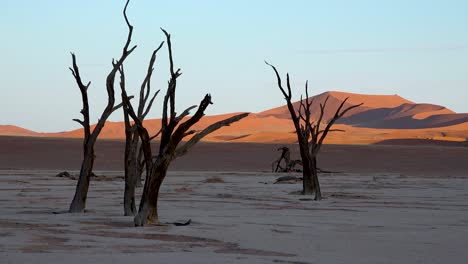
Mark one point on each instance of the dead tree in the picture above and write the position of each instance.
(174, 128)
(289, 165)
(285, 156)
(133, 152)
(90, 136)
(309, 133)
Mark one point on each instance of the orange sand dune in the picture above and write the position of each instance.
(9, 130)
(370, 100)
(406, 116)
(427, 114)
(335, 99)
(351, 135)
(380, 118)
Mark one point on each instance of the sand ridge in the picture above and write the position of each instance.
(380, 118)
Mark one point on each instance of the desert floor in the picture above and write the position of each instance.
(413, 208)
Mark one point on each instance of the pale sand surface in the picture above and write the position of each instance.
(390, 204)
(380, 218)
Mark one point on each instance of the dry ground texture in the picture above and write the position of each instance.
(238, 217)
(389, 204)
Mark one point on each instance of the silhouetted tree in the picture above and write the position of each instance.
(90, 136)
(309, 133)
(133, 152)
(174, 128)
(289, 164)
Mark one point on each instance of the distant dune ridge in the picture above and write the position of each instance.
(381, 118)
(10, 130)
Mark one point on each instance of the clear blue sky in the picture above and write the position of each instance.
(417, 49)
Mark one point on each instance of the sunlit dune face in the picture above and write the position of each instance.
(380, 118)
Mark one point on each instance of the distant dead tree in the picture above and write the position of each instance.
(90, 136)
(174, 128)
(309, 133)
(289, 165)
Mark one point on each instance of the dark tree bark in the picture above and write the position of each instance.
(174, 128)
(310, 136)
(140, 166)
(132, 166)
(78, 203)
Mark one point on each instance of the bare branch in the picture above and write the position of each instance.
(286, 96)
(308, 105)
(304, 115)
(130, 31)
(288, 84)
(164, 122)
(182, 128)
(84, 97)
(169, 45)
(348, 109)
(195, 139)
(300, 112)
(145, 88)
(79, 121)
(171, 87)
(170, 94)
(309, 131)
(185, 113)
(76, 73)
(111, 78)
(121, 104)
(188, 133)
(337, 116)
(322, 112)
(124, 94)
(150, 104)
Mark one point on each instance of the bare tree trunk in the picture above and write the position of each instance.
(139, 167)
(129, 199)
(130, 183)
(131, 176)
(314, 179)
(81, 193)
(308, 187)
(148, 211)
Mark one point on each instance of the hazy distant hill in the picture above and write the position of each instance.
(380, 118)
(9, 130)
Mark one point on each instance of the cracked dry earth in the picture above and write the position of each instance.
(238, 218)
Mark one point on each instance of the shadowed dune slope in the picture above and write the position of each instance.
(406, 116)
